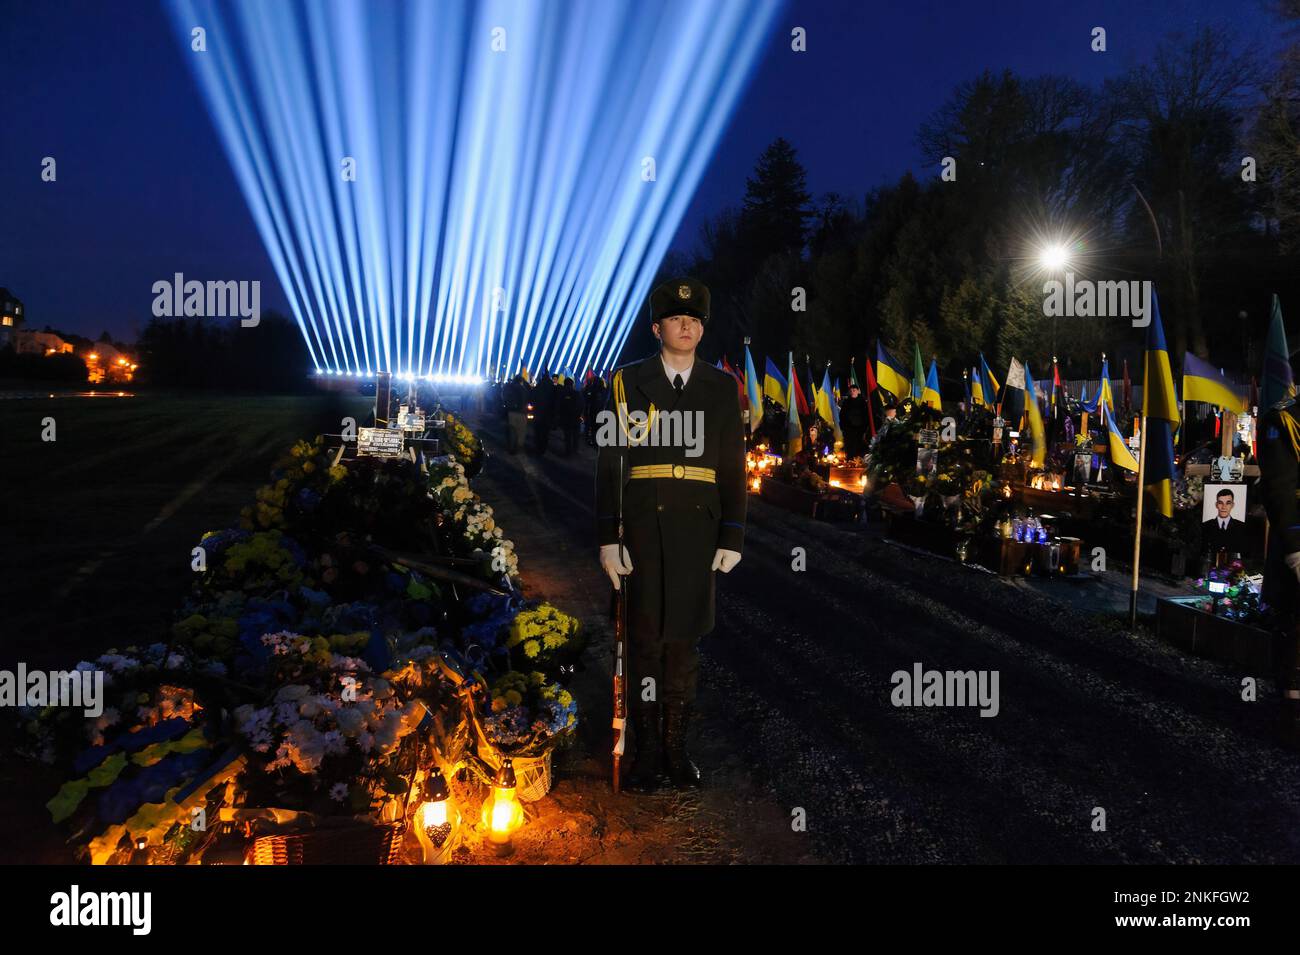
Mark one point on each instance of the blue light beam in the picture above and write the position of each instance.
(498, 215)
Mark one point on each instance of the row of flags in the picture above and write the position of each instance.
(1160, 399)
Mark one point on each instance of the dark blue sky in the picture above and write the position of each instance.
(144, 188)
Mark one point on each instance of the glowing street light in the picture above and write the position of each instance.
(1054, 257)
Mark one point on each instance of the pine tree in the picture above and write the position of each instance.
(777, 204)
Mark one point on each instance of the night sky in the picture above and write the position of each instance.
(144, 189)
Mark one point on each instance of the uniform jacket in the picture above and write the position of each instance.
(672, 526)
(1234, 540)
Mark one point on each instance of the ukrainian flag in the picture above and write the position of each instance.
(889, 377)
(1035, 415)
(1104, 400)
(1105, 397)
(918, 375)
(753, 395)
(988, 383)
(1120, 455)
(930, 394)
(793, 426)
(974, 390)
(1160, 407)
(774, 385)
(828, 409)
(822, 399)
(1201, 382)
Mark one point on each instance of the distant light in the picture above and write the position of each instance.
(1054, 257)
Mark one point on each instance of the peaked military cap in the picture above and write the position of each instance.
(680, 297)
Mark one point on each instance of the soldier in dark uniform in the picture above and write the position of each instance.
(683, 518)
(1279, 462)
(854, 422)
(593, 394)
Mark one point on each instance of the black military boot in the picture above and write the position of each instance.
(646, 775)
(677, 721)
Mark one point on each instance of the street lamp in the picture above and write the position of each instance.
(1054, 257)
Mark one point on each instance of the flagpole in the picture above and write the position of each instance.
(1137, 537)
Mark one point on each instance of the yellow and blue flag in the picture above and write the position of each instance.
(930, 394)
(1160, 408)
(990, 382)
(1035, 415)
(1120, 454)
(827, 408)
(1104, 400)
(1202, 382)
(753, 395)
(774, 384)
(793, 426)
(889, 375)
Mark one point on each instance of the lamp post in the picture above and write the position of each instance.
(1054, 258)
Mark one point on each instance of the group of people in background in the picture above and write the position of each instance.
(550, 403)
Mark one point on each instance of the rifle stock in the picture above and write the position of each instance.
(620, 680)
(620, 643)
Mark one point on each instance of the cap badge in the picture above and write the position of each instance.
(683, 292)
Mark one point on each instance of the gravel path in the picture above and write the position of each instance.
(797, 716)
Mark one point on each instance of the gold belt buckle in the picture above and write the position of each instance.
(679, 471)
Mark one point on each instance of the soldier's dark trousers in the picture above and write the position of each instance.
(673, 665)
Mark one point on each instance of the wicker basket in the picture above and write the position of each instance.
(532, 773)
(349, 845)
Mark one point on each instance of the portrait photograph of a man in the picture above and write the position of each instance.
(1224, 519)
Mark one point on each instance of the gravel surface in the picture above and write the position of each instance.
(797, 723)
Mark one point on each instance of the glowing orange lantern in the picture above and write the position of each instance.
(502, 813)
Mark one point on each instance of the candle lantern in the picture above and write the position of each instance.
(502, 813)
(435, 818)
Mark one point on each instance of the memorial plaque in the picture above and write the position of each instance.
(379, 443)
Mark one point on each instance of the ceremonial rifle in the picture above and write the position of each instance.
(620, 646)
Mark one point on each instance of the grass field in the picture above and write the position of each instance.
(95, 545)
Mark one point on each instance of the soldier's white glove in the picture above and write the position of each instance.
(615, 563)
(724, 560)
(1293, 561)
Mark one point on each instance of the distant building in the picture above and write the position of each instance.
(40, 343)
(11, 317)
(105, 363)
